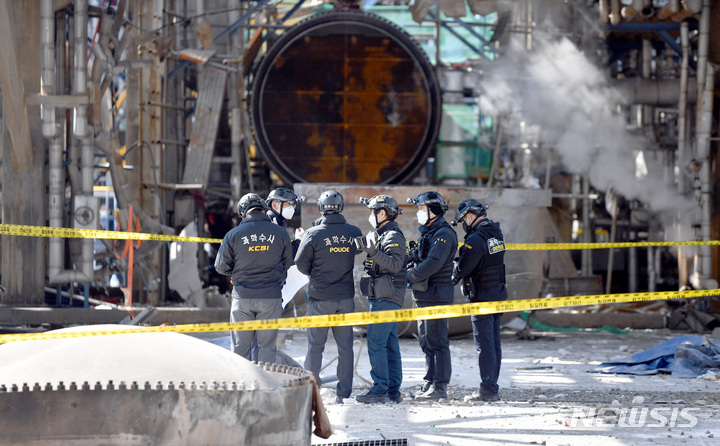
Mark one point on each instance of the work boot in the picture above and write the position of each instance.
(339, 400)
(424, 388)
(372, 398)
(484, 397)
(396, 397)
(434, 393)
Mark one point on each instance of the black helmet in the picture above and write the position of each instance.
(249, 202)
(383, 202)
(331, 202)
(428, 198)
(284, 194)
(470, 205)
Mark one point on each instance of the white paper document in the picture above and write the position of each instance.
(295, 281)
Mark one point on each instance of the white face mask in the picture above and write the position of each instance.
(422, 217)
(288, 212)
(372, 220)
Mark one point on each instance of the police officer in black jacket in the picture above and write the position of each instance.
(327, 255)
(282, 202)
(257, 255)
(481, 268)
(430, 277)
(384, 285)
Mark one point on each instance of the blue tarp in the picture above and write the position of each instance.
(683, 356)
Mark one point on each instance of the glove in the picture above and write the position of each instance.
(366, 243)
(455, 274)
(299, 233)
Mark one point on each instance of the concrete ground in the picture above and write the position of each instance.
(548, 397)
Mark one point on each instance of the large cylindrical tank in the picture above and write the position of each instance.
(345, 96)
(147, 389)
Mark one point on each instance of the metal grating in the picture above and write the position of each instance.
(385, 442)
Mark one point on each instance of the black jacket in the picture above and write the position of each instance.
(327, 254)
(257, 255)
(439, 242)
(280, 221)
(389, 257)
(482, 258)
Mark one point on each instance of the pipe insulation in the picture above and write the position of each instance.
(703, 145)
(86, 172)
(47, 79)
(657, 92)
(615, 12)
(56, 178)
(56, 170)
(682, 107)
(80, 73)
(604, 8)
(81, 128)
(702, 54)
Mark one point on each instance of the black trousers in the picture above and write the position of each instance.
(433, 335)
(486, 332)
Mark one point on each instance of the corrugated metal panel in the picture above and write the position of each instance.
(205, 126)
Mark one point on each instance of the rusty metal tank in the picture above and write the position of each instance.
(147, 389)
(345, 96)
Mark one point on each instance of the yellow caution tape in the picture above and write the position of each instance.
(379, 317)
(44, 231)
(559, 246)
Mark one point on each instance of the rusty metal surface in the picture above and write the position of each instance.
(205, 126)
(345, 97)
(196, 55)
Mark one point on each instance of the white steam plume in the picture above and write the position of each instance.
(557, 87)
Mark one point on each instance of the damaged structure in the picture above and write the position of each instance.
(576, 121)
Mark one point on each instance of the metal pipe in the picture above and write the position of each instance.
(657, 92)
(80, 75)
(639, 5)
(86, 172)
(604, 11)
(237, 41)
(614, 12)
(652, 278)
(56, 204)
(693, 6)
(81, 126)
(632, 267)
(646, 59)
(56, 170)
(56, 173)
(528, 24)
(611, 256)
(682, 106)
(702, 55)
(47, 66)
(587, 268)
(704, 259)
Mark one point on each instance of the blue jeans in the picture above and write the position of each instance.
(486, 331)
(317, 336)
(384, 351)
